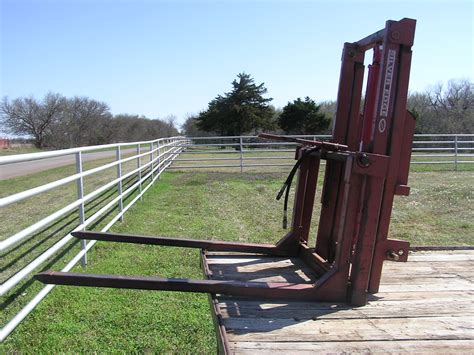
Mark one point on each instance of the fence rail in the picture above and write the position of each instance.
(243, 152)
(134, 183)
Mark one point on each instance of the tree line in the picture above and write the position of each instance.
(444, 108)
(245, 110)
(60, 122)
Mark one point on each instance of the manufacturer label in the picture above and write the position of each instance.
(387, 87)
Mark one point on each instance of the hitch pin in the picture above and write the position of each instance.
(393, 255)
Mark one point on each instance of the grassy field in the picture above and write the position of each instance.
(207, 205)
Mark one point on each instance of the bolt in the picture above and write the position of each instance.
(364, 160)
(392, 255)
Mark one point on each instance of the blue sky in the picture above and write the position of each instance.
(159, 58)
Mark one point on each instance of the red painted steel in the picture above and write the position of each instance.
(306, 142)
(367, 164)
(370, 97)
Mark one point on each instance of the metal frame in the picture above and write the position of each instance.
(367, 164)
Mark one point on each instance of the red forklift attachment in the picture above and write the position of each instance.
(367, 164)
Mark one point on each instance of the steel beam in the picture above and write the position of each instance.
(181, 242)
(281, 290)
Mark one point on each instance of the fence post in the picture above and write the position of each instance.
(80, 196)
(159, 157)
(119, 184)
(139, 151)
(455, 152)
(241, 155)
(152, 158)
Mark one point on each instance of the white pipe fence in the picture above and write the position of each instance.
(162, 152)
(246, 152)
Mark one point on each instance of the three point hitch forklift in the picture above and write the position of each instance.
(367, 164)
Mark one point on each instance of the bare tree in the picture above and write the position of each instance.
(26, 116)
(83, 122)
(452, 107)
(419, 103)
(129, 128)
(190, 128)
(170, 128)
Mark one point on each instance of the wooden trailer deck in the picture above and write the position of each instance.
(425, 306)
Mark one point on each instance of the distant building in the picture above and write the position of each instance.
(5, 143)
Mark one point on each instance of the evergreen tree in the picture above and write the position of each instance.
(303, 117)
(242, 110)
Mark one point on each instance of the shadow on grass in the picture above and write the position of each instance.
(65, 225)
(11, 298)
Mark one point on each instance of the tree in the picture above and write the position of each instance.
(189, 127)
(26, 116)
(303, 117)
(444, 109)
(454, 105)
(419, 105)
(82, 122)
(242, 110)
(61, 122)
(170, 126)
(131, 128)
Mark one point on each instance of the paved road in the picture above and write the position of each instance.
(9, 171)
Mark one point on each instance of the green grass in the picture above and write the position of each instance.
(207, 205)
(439, 210)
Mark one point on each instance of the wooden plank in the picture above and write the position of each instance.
(299, 278)
(400, 277)
(417, 267)
(270, 275)
(463, 310)
(456, 284)
(340, 311)
(421, 279)
(224, 260)
(257, 264)
(450, 296)
(438, 257)
(381, 299)
(264, 269)
(469, 250)
(295, 347)
(422, 328)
